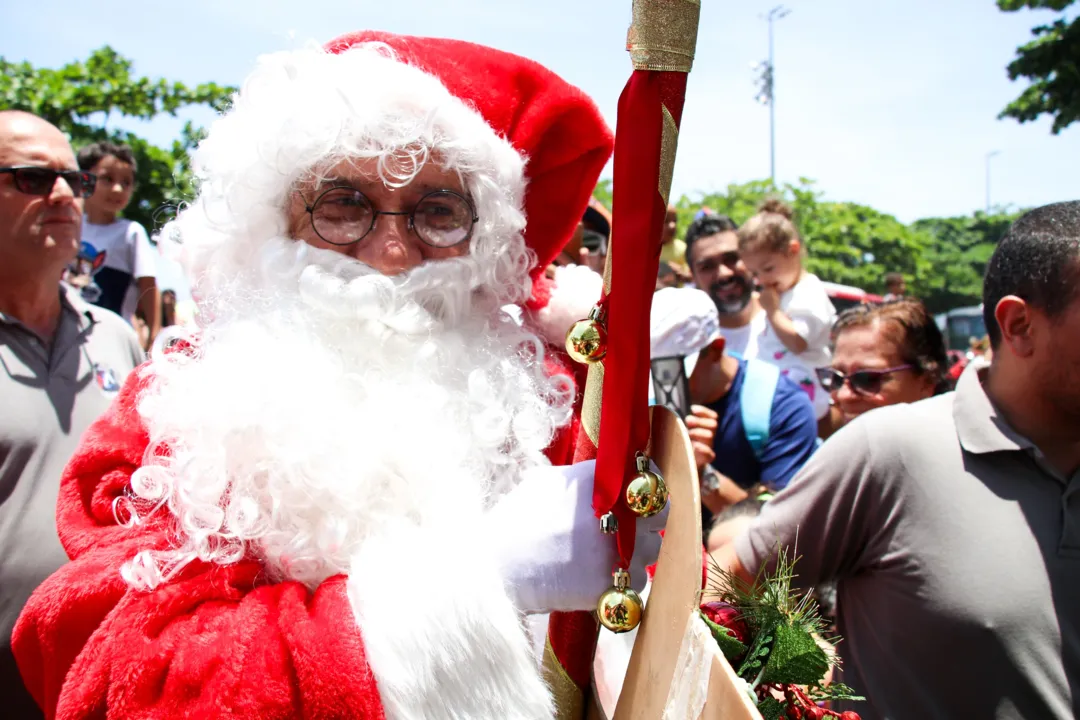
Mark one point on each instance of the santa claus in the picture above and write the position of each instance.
(341, 495)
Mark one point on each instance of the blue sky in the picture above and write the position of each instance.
(892, 104)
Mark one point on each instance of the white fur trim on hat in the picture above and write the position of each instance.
(576, 290)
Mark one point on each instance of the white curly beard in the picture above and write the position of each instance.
(326, 404)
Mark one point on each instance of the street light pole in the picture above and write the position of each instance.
(766, 94)
(989, 156)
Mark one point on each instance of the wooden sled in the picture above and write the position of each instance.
(654, 668)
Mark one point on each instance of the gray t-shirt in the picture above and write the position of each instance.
(957, 554)
(48, 397)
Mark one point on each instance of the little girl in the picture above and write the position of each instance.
(799, 312)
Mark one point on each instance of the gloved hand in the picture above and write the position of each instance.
(549, 545)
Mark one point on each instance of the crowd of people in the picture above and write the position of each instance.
(940, 525)
(338, 495)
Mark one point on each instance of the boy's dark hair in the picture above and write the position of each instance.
(705, 226)
(750, 507)
(1038, 261)
(893, 279)
(93, 153)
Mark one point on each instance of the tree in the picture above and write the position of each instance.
(943, 259)
(82, 97)
(845, 242)
(603, 193)
(1052, 63)
(959, 250)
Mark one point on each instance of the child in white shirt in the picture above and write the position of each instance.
(128, 277)
(799, 311)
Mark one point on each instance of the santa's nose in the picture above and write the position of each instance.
(390, 248)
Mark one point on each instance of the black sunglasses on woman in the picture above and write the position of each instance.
(867, 382)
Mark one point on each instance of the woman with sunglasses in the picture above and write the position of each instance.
(884, 354)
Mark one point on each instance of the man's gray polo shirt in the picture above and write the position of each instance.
(957, 554)
(48, 397)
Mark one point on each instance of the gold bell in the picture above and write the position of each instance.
(586, 340)
(620, 607)
(647, 493)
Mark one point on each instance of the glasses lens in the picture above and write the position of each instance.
(866, 381)
(342, 216)
(830, 379)
(82, 183)
(443, 219)
(35, 181)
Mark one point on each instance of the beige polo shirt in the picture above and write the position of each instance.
(49, 395)
(957, 554)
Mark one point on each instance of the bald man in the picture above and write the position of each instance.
(61, 362)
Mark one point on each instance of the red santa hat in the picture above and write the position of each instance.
(554, 125)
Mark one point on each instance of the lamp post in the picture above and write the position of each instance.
(989, 156)
(766, 94)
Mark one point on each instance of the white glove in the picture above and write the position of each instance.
(549, 545)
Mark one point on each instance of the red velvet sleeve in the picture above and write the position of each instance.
(213, 642)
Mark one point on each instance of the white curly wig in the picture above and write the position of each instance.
(304, 111)
(321, 401)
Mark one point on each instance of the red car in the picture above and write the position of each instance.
(846, 296)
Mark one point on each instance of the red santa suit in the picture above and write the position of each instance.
(414, 629)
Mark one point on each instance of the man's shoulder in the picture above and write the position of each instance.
(931, 411)
(907, 430)
(107, 319)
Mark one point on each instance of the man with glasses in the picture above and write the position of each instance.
(61, 362)
(339, 497)
(952, 524)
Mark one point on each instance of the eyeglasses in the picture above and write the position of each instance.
(40, 181)
(867, 382)
(344, 215)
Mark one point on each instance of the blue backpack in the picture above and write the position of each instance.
(755, 402)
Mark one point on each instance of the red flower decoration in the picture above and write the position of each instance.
(728, 616)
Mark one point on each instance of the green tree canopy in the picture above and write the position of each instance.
(82, 97)
(1051, 62)
(943, 259)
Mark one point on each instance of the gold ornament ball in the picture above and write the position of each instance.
(620, 609)
(586, 341)
(647, 494)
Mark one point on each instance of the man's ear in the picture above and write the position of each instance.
(715, 349)
(794, 247)
(1014, 317)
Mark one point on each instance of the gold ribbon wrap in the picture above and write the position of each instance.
(669, 143)
(569, 699)
(594, 383)
(663, 34)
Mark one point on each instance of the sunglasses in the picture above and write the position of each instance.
(867, 382)
(40, 181)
